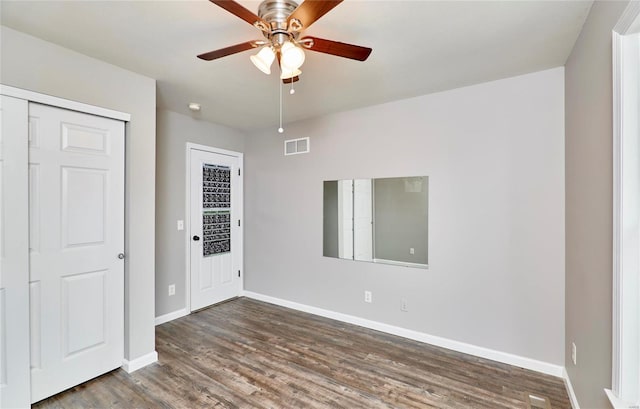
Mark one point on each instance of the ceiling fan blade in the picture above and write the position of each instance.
(311, 10)
(238, 10)
(223, 52)
(354, 52)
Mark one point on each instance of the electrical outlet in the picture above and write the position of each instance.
(180, 224)
(412, 251)
(403, 305)
(172, 289)
(574, 353)
(368, 297)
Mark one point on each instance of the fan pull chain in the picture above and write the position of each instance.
(281, 129)
(292, 91)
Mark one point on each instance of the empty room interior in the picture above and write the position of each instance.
(320, 204)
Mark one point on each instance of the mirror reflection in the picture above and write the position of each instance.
(377, 220)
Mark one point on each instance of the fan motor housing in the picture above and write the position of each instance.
(276, 12)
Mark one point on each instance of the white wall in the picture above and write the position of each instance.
(174, 131)
(494, 154)
(30, 63)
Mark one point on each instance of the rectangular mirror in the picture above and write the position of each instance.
(377, 220)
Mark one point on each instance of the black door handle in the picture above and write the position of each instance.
(196, 238)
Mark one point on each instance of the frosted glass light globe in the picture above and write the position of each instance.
(292, 56)
(264, 59)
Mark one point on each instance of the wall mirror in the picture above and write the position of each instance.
(377, 220)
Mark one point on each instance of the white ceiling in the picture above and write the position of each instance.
(419, 47)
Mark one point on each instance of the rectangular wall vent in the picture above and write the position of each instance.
(296, 146)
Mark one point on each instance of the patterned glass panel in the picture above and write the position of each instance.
(216, 209)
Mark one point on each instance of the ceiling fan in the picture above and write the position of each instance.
(281, 23)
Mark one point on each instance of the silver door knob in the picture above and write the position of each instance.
(121, 256)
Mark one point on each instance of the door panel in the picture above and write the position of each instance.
(14, 254)
(83, 319)
(34, 205)
(35, 309)
(214, 215)
(84, 198)
(84, 139)
(77, 225)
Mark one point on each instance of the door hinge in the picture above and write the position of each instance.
(238, 273)
(238, 222)
(238, 171)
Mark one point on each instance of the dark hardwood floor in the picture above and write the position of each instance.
(249, 354)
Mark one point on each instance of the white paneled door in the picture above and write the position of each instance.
(76, 235)
(14, 260)
(215, 232)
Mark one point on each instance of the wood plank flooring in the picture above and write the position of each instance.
(249, 354)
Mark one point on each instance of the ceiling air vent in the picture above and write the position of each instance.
(296, 146)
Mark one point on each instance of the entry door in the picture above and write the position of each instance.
(215, 232)
(76, 214)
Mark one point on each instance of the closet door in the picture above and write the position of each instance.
(14, 255)
(76, 215)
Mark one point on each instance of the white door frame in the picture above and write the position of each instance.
(619, 349)
(31, 96)
(44, 99)
(187, 210)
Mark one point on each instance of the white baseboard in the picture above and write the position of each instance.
(144, 360)
(618, 403)
(572, 395)
(171, 316)
(523, 362)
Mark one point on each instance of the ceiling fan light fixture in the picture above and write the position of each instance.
(287, 73)
(292, 56)
(264, 59)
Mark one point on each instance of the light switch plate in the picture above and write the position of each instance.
(180, 225)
